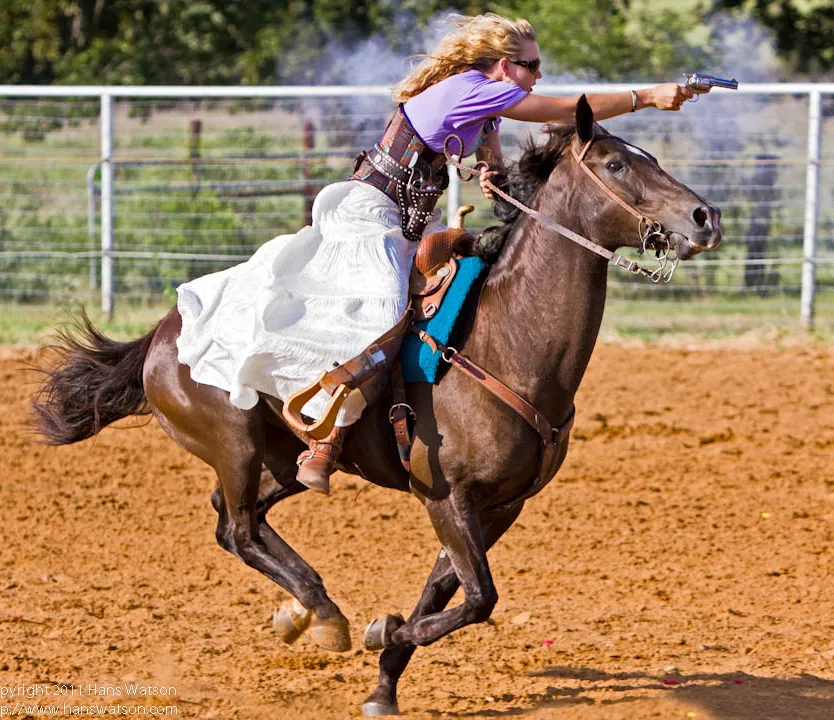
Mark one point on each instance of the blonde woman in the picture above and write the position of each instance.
(458, 90)
(306, 301)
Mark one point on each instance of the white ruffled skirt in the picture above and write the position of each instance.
(302, 302)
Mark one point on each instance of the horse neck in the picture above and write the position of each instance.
(542, 306)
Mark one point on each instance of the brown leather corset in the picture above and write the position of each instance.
(403, 167)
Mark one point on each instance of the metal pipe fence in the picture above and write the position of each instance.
(121, 166)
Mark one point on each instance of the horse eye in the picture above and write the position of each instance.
(614, 166)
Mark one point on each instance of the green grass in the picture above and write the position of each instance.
(715, 319)
(29, 325)
(709, 320)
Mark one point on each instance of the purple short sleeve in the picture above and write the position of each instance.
(460, 105)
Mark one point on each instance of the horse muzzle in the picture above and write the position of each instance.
(705, 233)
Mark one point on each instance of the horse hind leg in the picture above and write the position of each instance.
(270, 492)
(292, 618)
(247, 534)
(235, 443)
(440, 587)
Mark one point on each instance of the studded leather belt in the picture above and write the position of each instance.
(403, 167)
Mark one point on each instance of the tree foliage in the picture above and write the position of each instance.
(616, 39)
(175, 42)
(172, 42)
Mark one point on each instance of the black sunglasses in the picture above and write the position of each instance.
(531, 65)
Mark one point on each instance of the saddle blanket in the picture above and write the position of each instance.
(419, 363)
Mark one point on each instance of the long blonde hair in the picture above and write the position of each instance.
(478, 42)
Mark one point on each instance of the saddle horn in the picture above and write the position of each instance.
(462, 212)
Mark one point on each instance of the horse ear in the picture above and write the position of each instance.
(584, 119)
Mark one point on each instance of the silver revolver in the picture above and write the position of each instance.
(702, 81)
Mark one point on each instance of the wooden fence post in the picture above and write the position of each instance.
(194, 151)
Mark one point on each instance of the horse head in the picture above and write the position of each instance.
(624, 186)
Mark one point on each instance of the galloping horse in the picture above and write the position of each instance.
(474, 461)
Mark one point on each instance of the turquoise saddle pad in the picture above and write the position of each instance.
(419, 363)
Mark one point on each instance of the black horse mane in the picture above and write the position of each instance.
(522, 181)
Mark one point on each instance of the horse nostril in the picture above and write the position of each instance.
(700, 216)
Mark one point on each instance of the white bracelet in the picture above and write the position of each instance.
(633, 100)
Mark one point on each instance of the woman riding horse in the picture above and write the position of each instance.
(475, 459)
(307, 301)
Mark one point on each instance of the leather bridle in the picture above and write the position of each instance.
(580, 160)
(653, 236)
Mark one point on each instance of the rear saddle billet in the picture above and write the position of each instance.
(435, 265)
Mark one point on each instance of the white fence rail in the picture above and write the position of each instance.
(127, 191)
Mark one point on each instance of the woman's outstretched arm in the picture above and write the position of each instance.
(544, 108)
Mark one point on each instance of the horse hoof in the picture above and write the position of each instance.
(378, 633)
(376, 709)
(331, 633)
(290, 620)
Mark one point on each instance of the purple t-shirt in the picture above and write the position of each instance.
(465, 105)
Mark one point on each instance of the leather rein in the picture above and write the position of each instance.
(652, 234)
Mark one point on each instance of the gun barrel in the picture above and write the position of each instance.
(721, 82)
(702, 81)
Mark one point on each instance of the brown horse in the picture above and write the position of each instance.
(473, 458)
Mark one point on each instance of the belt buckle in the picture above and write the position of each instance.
(406, 407)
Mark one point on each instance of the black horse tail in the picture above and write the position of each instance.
(93, 382)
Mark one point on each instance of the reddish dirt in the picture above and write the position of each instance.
(680, 565)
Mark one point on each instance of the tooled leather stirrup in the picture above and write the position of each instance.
(362, 373)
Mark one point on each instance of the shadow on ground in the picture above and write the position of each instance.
(728, 696)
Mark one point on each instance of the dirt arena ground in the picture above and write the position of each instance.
(680, 565)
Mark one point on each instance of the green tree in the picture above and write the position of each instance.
(174, 42)
(617, 39)
(144, 42)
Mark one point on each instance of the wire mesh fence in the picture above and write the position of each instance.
(199, 184)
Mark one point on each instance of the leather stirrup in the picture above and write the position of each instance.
(362, 373)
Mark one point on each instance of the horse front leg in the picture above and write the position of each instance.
(458, 527)
(440, 587)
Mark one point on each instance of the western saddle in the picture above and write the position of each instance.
(435, 265)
